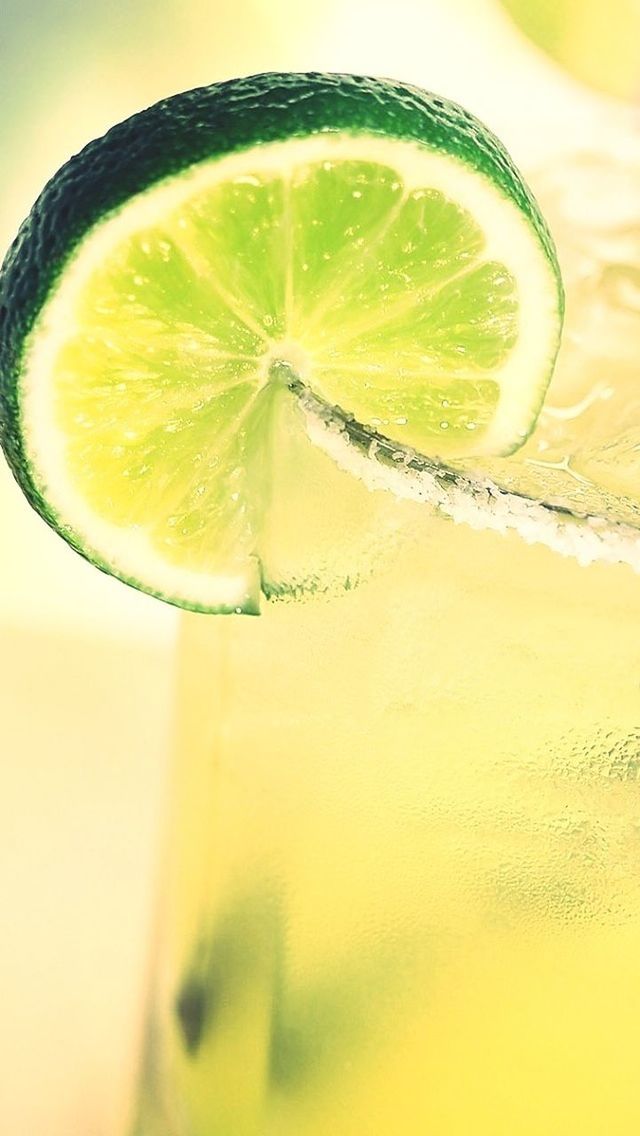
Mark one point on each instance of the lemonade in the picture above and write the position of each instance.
(401, 888)
(403, 891)
(289, 355)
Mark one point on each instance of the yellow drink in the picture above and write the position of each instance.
(403, 876)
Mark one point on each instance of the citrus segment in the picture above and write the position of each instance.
(423, 242)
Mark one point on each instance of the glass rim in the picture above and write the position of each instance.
(467, 497)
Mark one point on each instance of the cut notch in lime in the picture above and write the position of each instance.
(356, 238)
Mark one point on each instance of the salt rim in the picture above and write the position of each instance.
(474, 501)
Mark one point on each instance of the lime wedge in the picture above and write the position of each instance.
(188, 277)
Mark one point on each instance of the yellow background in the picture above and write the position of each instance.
(85, 663)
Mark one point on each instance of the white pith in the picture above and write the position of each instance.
(510, 240)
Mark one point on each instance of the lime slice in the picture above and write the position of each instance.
(188, 277)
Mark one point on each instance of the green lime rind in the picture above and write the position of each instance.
(180, 132)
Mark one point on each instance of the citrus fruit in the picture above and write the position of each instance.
(185, 281)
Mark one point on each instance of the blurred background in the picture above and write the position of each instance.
(86, 663)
